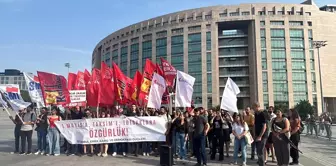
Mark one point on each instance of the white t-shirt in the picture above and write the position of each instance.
(239, 129)
(273, 116)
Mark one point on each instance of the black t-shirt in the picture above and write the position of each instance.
(77, 115)
(181, 128)
(199, 122)
(217, 127)
(259, 121)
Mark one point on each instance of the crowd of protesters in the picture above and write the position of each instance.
(276, 133)
(321, 125)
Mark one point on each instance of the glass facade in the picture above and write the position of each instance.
(195, 64)
(123, 59)
(161, 49)
(264, 67)
(300, 91)
(177, 52)
(146, 52)
(134, 61)
(208, 62)
(279, 67)
(115, 57)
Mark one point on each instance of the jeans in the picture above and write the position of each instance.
(180, 140)
(239, 143)
(133, 148)
(145, 147)
(71, 148)
(26, 136)
(295, 138)
(199, 144)
(313, 127)
(123, 147)
(17, 138)
(54, 141)
(260, 145)
(328, 130)
(217, 143)
(42, 140)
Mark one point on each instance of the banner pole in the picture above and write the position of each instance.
(170, 104)
(15, 113)
(97, 111)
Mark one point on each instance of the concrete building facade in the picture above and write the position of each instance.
(13, 76)
(267, 49)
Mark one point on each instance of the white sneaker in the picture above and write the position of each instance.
(124, 154)
(56, 154)
(99, 154)
(147, 154)
(37, 153)
(144, 154)
(104, 155)
(114, 154)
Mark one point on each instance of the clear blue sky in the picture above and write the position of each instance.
(44, 34)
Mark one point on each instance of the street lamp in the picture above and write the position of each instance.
(318, 45)
(67, 65)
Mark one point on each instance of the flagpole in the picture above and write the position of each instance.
(15, 113)
(97, 111)
(170, 104)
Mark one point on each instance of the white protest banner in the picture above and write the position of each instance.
(157, 89)
(229, 98)
(34, 89)
(113, 130)
(13, 97)
(184, 89)
(77, 96)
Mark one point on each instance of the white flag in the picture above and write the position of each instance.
(34, 89)
(229, 98)
(157, 89)
(13, 96)
(184, 89)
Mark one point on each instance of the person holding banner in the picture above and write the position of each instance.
(29, 119)
(18, 123)
(53, 133)
(103, 147)
(42, 130)
(88, 115)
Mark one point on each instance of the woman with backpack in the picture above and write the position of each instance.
(280, 127)
(53, 133)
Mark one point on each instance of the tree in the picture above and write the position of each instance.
(304, 108)
(216, 108)
(25, 96)
(281, 106)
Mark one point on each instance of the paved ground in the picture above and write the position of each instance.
(317, 152)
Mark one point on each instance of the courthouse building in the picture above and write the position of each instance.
(267, 49)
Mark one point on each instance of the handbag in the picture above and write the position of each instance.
(248, 138)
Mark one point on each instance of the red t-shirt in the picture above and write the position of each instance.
(52, 121)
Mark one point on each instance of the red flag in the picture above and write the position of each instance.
(72, 77)
(93, 88)
(120, 84)
(54, 88)
(80, 81)
(128, 99)
(11, 89)
(87, 77)
(106, 95)
(146, 81)
(135, 87)
(159, 70)
(169, 72)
